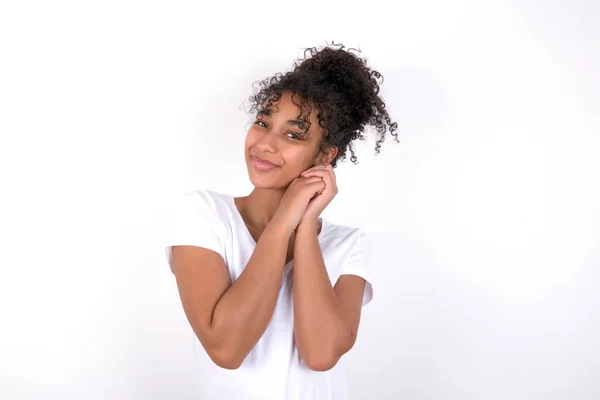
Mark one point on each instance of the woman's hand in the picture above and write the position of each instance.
(295, 200)
(322, 199)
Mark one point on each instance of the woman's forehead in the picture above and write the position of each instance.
(289, 105)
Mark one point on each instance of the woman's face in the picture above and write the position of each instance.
(277, 147)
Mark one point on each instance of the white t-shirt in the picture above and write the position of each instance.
(273, 369)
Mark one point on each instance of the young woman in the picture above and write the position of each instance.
(272, 291)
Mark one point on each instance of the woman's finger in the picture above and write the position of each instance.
(317, 167)
(329, 168)
(313, 179)
(315, 172)
(326, 176)
(322, 170)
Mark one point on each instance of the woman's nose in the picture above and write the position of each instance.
(268, 142)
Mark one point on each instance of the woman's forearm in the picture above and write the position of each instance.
(322, 330)
(244, 311)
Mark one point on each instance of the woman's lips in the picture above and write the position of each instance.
(263, 165)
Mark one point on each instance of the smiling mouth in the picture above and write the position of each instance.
(263, 165)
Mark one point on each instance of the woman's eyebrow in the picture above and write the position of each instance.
(265, 112)
(295, 122)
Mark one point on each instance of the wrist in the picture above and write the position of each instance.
(308, 226)
(279, 227)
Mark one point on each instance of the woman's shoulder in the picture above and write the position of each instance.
(339, 234)
(208, 202)
(205, 195)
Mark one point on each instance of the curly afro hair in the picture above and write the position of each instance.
(342, 88)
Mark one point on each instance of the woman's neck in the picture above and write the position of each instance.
(259, 207)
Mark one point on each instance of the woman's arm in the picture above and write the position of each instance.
(229, 319)
(326, 319)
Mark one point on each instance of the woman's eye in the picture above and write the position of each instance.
(261, 124)
(293, 135)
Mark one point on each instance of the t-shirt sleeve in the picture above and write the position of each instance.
(191, 222)
(359, 264)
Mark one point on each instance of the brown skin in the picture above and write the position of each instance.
(326, 319)
(282, 213)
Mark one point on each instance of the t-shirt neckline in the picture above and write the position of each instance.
(247, 233)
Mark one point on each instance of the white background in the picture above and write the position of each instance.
(485, 218)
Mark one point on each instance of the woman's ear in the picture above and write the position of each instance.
(327, 155)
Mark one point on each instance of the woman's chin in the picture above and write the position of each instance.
(264, 182)
(260, 182)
